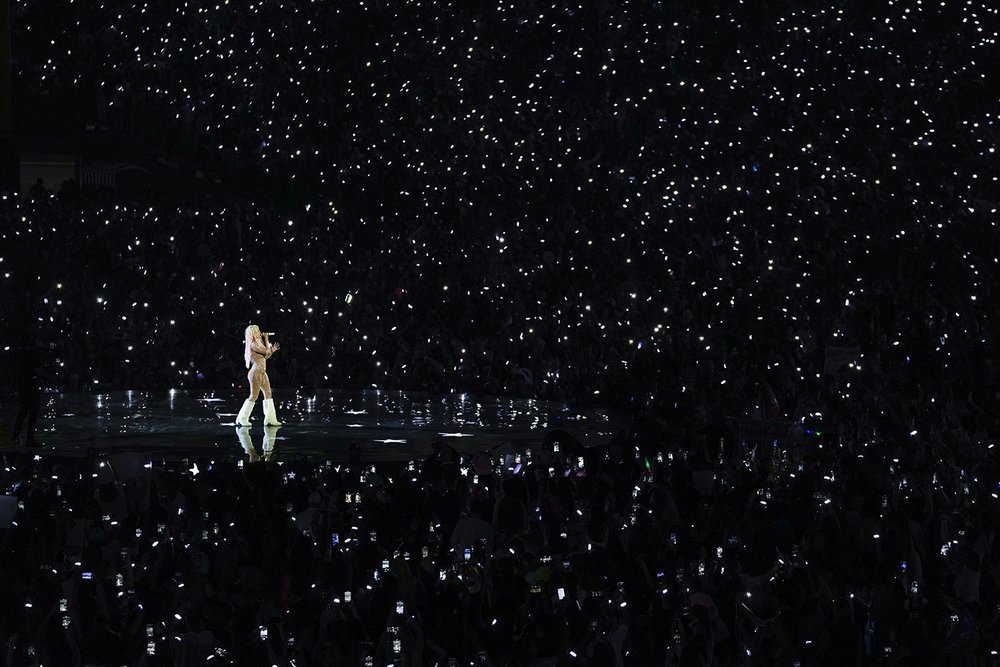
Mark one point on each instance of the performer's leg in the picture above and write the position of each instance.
(270, 418)
(257, 380)
(243, 419)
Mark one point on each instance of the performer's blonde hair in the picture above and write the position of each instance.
(248, 335)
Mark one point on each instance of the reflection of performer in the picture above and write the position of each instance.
(269, 436)
(247, 443)
(19, 321)
(29, 395)
(258, 349)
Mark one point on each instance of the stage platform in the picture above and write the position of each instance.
(375, 425)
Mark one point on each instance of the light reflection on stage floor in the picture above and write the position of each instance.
(384, 425)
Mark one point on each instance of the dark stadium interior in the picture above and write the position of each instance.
(612, 333)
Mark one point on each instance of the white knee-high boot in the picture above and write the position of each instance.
(243, 419)
(270, 418)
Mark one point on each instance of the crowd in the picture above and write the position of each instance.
(670, 203)
(755, 210)
(668, 546)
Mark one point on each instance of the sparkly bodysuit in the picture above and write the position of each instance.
(259, 354)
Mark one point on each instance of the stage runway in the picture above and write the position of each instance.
(383, 425)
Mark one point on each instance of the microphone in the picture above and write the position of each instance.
(269, 333)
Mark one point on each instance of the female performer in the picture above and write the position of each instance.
(257, 350)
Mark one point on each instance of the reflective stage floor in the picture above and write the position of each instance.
(377, 425)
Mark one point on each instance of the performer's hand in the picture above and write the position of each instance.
(275, 347)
